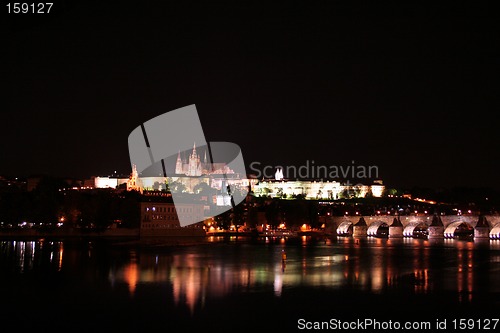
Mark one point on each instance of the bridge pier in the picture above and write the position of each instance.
(436, 228)
(396, 229)
(482, 229)
(360, 228)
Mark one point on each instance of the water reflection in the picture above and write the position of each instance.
(131, 273)
(373, 265)
(192, 274)
(23, 256)
(465, 274)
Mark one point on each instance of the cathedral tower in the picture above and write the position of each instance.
(179, 168)
(194, 168)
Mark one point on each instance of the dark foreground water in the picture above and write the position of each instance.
(242, 285)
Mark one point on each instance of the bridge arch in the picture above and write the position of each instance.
(344, 229)
(378, 229)
(459, 229)
(416, 229)
(495, 232)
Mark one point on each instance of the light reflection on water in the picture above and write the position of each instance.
(23, 255)
(215, 270)
(375, 266)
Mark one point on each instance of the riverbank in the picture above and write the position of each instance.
(146, 238)
(68, 233)
(129, 237)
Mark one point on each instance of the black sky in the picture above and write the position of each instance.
(412, 88)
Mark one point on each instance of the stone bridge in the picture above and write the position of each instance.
(428, 226)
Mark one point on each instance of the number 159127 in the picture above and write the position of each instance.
(29, 8)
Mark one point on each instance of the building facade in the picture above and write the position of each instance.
(161, 213)
(315, 189)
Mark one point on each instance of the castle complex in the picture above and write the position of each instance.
(191, 173)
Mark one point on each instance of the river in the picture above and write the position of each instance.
(241, 284)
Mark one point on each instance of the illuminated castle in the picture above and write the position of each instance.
(315, 189)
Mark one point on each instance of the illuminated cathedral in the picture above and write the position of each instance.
(194, 167)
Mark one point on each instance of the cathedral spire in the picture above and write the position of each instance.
(179, 168)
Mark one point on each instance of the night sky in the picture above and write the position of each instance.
(411, 88)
